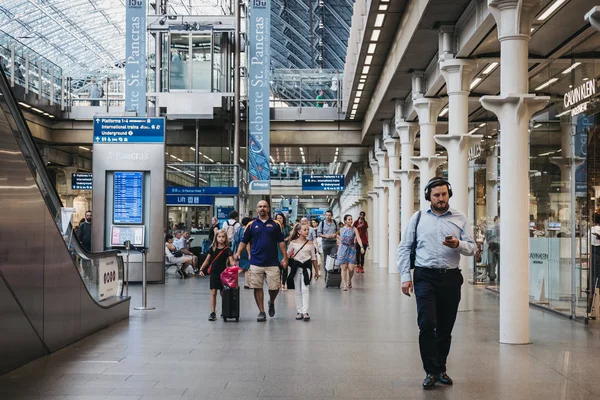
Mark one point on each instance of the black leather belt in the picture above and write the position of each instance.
(439, 270)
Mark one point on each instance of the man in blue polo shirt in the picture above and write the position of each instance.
(264, 236)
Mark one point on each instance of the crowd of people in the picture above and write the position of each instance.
(285, 255)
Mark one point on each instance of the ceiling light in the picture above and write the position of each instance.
(37, 110)
(383, 7)
(241, 160)
(482, 125)
(361, 86)
(472, 131)
(571, 68)
(537, 126)
(379, 20)
(543, 85)
(337, 149)
(368, 60)
(362, 80)
(475, 83)
(375, 35)
(24, 105)
(365, 69)
(563, 113)
(586, 79)
(357, 100)
(352, 117)
(490, 68)
(51, 116)
(358, 93)
(84, 148)
(301, 150)
(227, 147)
(551, 10)
(444, 112)
(172, 156)
(371, 48)
(355, 106)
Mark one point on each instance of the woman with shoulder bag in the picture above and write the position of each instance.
(303, 258)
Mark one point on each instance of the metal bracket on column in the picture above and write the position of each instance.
(432, 162)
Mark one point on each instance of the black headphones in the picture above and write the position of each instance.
(435, 182)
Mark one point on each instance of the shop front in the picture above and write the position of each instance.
(564, 172)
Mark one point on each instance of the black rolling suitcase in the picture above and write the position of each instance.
(333, 278)
(230, 303)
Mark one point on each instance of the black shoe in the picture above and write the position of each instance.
(429, 381)
(262, 317)
(212, 316)
(180, 273)
(271, 309)
(445, 379)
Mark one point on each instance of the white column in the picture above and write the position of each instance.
(382, 243)
(514, 108)
(407, 174)
(491, 184)
(393, 184)
(368, 184)
(375, 222)
(427, 109)
(458, 74)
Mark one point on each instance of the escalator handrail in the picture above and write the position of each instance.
(36, 159)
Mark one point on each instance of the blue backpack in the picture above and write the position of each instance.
(237, 239)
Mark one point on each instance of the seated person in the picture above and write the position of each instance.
(182, 242)
(183, 261)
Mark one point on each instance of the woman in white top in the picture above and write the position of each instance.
(595, 242)
(303, 259)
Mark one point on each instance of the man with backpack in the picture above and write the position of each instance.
(231, 225)
(327, 231)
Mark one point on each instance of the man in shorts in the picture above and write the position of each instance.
(264, 236)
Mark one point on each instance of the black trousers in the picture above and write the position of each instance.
(438, 295)
(360, 257)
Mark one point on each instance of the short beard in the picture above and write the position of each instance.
(440, 210)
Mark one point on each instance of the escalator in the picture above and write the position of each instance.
(52, 291)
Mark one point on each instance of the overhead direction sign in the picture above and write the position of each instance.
(129, 130)
(202, 190)
(322, 182)
(81, 181)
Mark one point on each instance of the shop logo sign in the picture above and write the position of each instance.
(575, 97)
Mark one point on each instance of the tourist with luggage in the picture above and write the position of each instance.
(346, 255)
(264, 236)
(303, 258)
(327, 231)
(432, 244)
(216, 262)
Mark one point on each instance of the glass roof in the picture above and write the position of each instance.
(87, 37)
(84, 37)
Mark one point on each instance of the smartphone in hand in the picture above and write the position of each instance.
(448, 238)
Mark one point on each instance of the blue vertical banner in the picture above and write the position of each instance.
(135, 57)
(258, 97)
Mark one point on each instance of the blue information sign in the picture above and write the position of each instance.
(128, 202)
(203, 190)
(322, 182)
(81, 181)
(129, 130)
(259, 90)
(187, 200)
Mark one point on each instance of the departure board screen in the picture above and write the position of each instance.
(128, 198)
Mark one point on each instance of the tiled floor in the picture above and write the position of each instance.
(360, 344)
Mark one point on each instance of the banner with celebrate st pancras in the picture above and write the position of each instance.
(258, 97)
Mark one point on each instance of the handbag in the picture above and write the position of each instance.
(413, 248)
(178, 253)
(215, 259)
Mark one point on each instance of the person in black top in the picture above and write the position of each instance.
(85, 231)
(214, 228)
(216, 260)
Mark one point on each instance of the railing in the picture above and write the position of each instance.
(292, 172)
(203, 175)
(306, 88)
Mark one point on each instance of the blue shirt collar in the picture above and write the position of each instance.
(448, 212)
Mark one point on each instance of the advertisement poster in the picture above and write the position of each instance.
(108, 277)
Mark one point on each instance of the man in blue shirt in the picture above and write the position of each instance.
(264, 236)
(441, 236)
